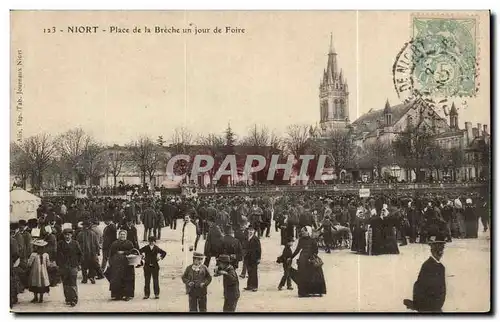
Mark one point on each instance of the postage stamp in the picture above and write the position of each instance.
(440, 59)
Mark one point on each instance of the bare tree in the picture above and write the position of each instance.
(296, 141)
(213, 145)
(92, 161)
(340, 148)
(180, 140)
(70, 147)
(20, 164)
(379, 154)
(115, 161)
(257, 136)
(37, 153)
(147, 156)
(410, 149)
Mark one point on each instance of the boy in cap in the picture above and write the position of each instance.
(151, 253)
(230, 282)
(429, 291)
(286, 260)
(196, 277)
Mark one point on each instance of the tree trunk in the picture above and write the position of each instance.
(114, 181)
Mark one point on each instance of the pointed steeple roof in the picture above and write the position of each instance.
(331, 67)
(387, 108)
(453, 110)
(331, 50)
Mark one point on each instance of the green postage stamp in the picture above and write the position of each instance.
(444, 56)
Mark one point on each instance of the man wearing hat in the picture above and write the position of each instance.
(89, 243)
(69, 258)
(230, 283)
(429, 291)
(232, 246)
(151, 254)
(196, 277)
(252, 260)
(23, 236)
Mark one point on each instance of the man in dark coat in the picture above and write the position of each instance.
(429, 291)
(267, 217)
(149, 221)
(232, 247)
(151, 268)
(108, 237)
(89, 244)
(230, 282)
(131, 233)
(252, 260)
(172, 214)
(69, 258)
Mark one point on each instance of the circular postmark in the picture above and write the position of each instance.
(435, 65)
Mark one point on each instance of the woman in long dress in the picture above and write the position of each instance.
(38, 262)
(471, 220)
(310, 279)
(389, 223)
(359, 230)
(122, 275)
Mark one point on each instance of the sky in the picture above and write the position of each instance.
(120, 86)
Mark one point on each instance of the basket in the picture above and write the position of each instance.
(134, 259)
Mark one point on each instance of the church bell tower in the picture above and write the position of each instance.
(333, 96)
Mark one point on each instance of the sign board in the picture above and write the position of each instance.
(364, 193)
(157, 194)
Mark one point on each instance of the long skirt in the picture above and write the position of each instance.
(122, 283)
(310, 280)
(358, 240)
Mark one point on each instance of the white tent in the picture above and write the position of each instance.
(23, 205)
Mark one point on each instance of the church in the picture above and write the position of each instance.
(383, 125)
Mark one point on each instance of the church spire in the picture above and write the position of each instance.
(331, 50)
(331, 68)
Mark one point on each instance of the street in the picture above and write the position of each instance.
(355, 283)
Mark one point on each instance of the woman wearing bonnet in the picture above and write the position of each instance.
(309, 276)
(122, 280)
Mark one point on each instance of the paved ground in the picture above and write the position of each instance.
(355, 283)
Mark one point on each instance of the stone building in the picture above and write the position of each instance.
(383, 125)
(333, 95)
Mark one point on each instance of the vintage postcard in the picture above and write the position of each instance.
(250, 161)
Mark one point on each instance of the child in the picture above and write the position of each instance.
(151, 267)
(197, 278)
(327, 231)
(38, 275)
(230, 282)
(286, 259)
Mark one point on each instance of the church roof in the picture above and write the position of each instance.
(459, 133)
(368, 121)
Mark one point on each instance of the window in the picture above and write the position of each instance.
(409, 121)
(388, 119)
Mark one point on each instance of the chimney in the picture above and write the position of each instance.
(468, 128)
(485, 129)
(480, 129)
(475, 132)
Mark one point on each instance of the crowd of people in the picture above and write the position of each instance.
(65, 238)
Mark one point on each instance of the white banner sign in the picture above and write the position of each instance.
(364, 193)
